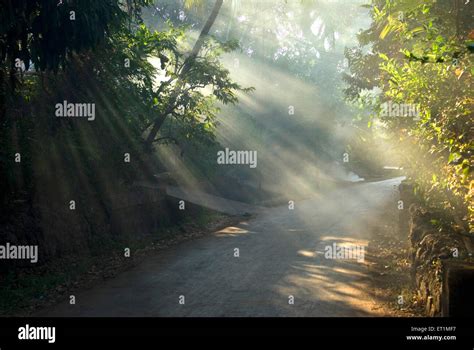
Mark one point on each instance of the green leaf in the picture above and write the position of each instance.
(417, 30)
(453, 157)
(385, 31)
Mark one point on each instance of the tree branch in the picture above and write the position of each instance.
(186, 66)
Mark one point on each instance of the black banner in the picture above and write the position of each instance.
(62, 333)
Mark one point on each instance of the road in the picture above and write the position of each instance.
(281, 259)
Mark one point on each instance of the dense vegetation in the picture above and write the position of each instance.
(99, 52)
(420, 53)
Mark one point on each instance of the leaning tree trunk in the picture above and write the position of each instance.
(157, 124)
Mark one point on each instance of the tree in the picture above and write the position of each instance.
(420, 55)
(46, 32)
(181, 80)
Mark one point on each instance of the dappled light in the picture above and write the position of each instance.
(162, 159)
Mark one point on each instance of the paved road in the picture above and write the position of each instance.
(281, 255)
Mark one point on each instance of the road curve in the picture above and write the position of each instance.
(281, 259)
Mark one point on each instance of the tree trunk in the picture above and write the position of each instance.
(186, 66)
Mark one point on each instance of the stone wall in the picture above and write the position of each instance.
(441, 267)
